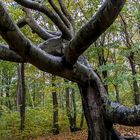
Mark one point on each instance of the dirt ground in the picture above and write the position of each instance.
(82, 135)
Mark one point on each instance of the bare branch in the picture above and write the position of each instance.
(120, 114)
(57, 33)
(65, 11)
(35, 26)
(42, 8)
(93, 29)
(64, 19)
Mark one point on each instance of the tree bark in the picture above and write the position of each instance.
(71, 109)
(135, 83)
(98, 127)
(74, 109)
(82, 121)
(34, 93)
(68, 109)
(55, 109)
(117, 93)
(8, 98)
(18, 90)
(102, 60)
(23, 99)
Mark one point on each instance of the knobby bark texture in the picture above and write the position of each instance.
(59, 55)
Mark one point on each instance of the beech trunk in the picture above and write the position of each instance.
(98, 127)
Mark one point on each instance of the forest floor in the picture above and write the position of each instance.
(82, 135)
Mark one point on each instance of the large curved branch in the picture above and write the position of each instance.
(39, 58)
(120, 114)
(93, 29)
(35, 27)
(42, 8)
(115, 112)
(22, 46)
(9, 55)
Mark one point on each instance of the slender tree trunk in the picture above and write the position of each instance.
(135, 83)
(18, 91)
(105, 75)
(129, 43)
(23, 101)
(82, 121)
(8, 98)
(31, 97)
(101, 59)
(74, 109)
(55, 109)
(68, 109)
(2, 83)
(117, 93)
(34, 93)
(43, 93)
(72, 119)
(62, 100)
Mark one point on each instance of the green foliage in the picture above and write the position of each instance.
(38, 122)
(4, 109)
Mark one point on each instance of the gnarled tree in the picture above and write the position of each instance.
(60, 53)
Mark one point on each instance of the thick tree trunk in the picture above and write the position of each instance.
(98, 127)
